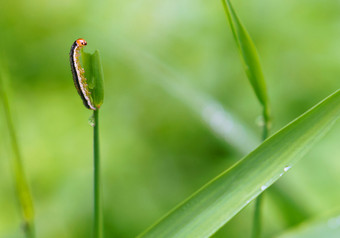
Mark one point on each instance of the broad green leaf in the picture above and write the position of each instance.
(216, 203)
(94, 75)
(326, 227)
(249, 57)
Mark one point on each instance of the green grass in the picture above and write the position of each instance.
(178, 112)
(24, 196)
(218, 201)
(252, 67)
(97, 225)
(93, 72)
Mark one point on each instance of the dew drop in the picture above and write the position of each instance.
(264, 187)
(286, 168)
(91, 121)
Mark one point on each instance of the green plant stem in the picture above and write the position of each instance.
(257, 223)
(266, 124)
(97, 223)
(257, 217)
(22, 188)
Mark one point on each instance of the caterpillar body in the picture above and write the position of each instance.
(79, 79)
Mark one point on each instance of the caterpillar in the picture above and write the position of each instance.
(80, 82)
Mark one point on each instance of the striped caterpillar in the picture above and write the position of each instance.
(79, 79)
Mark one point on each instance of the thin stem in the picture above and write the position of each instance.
(22, 188)
(97, 223)
(257, 217)
(257, 223)
(266, 123)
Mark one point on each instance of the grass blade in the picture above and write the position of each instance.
(93, 79)
(22, 188)
(249, 58)
(94, 75)
(217, 202)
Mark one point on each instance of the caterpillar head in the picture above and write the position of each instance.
(81, 42)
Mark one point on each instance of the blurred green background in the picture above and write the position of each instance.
(173, 83)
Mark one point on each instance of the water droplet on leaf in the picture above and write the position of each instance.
(286, 168)
(264, 187)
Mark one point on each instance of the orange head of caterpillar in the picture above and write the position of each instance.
(81, 42)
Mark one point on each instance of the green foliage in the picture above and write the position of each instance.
(222, 198)
(163, 134)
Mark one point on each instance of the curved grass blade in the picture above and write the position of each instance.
(323, 227)
(216, 203)
(22, 187)
(249, 58)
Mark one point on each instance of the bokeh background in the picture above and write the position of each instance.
(178, 108)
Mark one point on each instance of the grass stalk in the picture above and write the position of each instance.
(97, 223)
(257, 222)
(21, 184)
